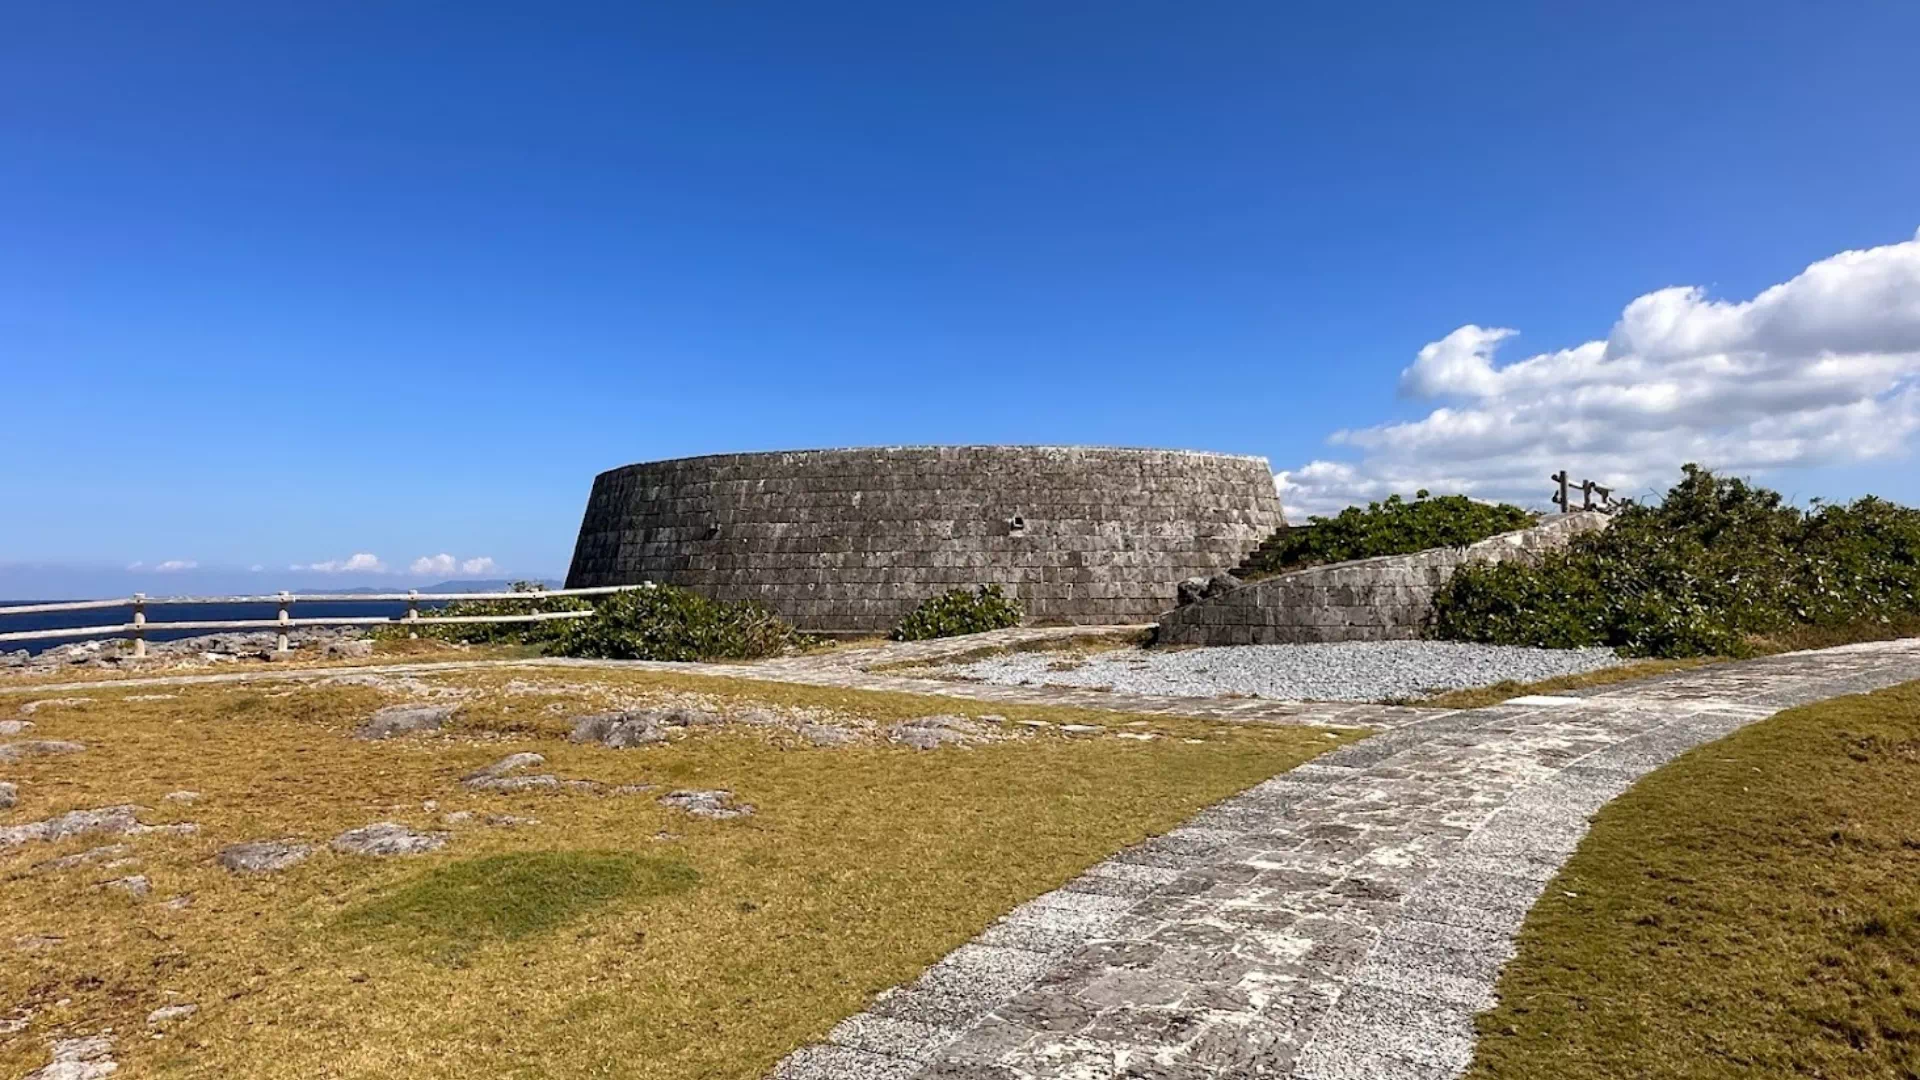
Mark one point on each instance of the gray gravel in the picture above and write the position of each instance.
(1353, 671)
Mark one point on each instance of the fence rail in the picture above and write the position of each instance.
(284, 620)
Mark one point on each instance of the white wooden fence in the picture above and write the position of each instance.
(284, 621)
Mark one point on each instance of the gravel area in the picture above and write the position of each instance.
(1354, 671)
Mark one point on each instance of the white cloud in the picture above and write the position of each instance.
(428, 565)
(358, 563)
(176, 564)
(442, 565)
(1820, 370)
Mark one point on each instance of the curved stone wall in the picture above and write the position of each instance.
(850, 540)
(1386, 598)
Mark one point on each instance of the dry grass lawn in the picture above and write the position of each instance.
(1751, 910)
(612, 938)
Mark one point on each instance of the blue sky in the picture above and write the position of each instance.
(284, 283)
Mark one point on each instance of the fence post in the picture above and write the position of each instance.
(1561, 500)
(286, 601)
(139, 625)
(413, 612)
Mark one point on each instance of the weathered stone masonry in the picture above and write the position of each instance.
(1381, 599)
(850, 540)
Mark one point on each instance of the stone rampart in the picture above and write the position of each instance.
(1380, 599)
(848, 541)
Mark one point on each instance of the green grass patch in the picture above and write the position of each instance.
(1750, 910)
(464, 904)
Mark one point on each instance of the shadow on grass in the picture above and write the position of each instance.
(456, 908)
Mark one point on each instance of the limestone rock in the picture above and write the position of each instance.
(350, 648)
(264, 856)
(167, 1014)
(1220, 583)
(620, 730)
(136, 885)
(509, 764)
(90, 1058)
(107, 819)
(510, 784)
(185, 798)
(388, 838)
(930, 732)
(32, 707)
(84, 858)
(682, 716)
(1191, 591)
(9, 794)
(715, 805)
(404, 720)
(828, 735)
(26, 748)
(15, 727)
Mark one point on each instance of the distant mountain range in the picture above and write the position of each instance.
(470, 585)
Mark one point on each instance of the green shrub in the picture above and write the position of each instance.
(1393, 527)
(528, 633)
(1715, 565)
(665, 623)
(959, 611)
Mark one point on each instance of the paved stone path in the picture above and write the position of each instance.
(1344, 920)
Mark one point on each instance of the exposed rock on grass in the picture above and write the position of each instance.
(405, 720)
(90, 1058)
(509, 764)
(827, 735)
(715, 805)
(185, 798)
(388, 838)
(32, 707)
(170, 1014)
(15, 727)
(86, 858)
(26, 748)
(9, 794)
(264, 856)
(619, 730)
(510, 784)
(107, 819)
(930, 732)
(136, 886)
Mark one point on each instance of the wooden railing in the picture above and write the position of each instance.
(284, 620)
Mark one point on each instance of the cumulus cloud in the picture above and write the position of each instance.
(443, 564)
(361, 562)
(1823, 369)
(176, 564)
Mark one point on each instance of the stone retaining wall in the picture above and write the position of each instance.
(1380, 599)
(848, 541)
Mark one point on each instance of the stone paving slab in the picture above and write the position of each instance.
(1342, 921)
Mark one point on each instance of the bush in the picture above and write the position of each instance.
(1393, 527)
(1714, 566)
(665, 623)
(530, 633)
(959, 611)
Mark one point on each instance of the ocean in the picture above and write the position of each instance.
(158, 615)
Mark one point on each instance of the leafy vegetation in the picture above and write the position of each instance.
(1718, 567)
(656, 623)
(1750, 910)
(666, 623)
(1393, 527)
(531, 633)
(960, 611)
